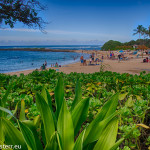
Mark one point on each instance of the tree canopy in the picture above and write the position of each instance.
(115, 45)
(142, 31)
(111, 45)
(25, 11)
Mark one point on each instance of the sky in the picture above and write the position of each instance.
(82, 22)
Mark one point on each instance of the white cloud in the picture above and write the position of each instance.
(20, 30)
(63, 32)
(60, 35)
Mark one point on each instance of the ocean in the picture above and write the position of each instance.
(11, 61)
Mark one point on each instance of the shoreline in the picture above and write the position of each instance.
(38, 50)
(62, 63)
(132, 66)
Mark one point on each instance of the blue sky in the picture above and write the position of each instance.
(82, 22)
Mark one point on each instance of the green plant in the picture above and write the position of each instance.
(59, 129)
(99, 87)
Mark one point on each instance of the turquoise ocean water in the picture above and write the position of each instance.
(11, 61)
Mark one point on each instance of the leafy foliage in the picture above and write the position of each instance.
(60, 134)
(25, 11)
(111, 45)
(134, 100)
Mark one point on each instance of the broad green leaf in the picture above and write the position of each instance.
(43, 133)
(14, 111)
(47, 97)
(97, 129)
(105, 115)
(36, 120)
(65, 128)
(30, 124)
(48, 100)
(22, 111)
(78, 95)
(28, 136)
(129, 102)
(108, 137)
(8, 112)
(1, 131)
(2, 146)
(46, 115)
(12, 135)
(52, 144)
(59, 95)
(90, 146)
(1, 123)
(122, 96)
(59, 141)
(79, 114)
(79, 141)
(116, 145)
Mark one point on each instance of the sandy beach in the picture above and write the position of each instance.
(132, 66)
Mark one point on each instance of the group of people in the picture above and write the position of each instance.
(83, 61)
(55, 65)
(145, 60)
(43, 67)
(111, 55)
(92, 60)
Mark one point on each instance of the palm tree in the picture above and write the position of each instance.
(148, 32)
(138, 30)
(144, 32)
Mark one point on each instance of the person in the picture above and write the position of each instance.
(45, 63)
(107, 56)
(110, 55)
(113, 56)
(56, 65)
(119, 56)
(102, 58)
(82, 60)
(90, 61)
(43, 67)
(145, 60)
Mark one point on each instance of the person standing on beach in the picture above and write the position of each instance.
(110, 55)
(119, 56)
(93, 57)
(102, 58)
(81, 59)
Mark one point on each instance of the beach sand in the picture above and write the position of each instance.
(132, 66)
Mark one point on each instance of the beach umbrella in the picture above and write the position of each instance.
(121, 51)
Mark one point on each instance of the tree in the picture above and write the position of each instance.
(138, 30)
(111, 45)
(148, 32)
(25, 11)
(144, 32)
